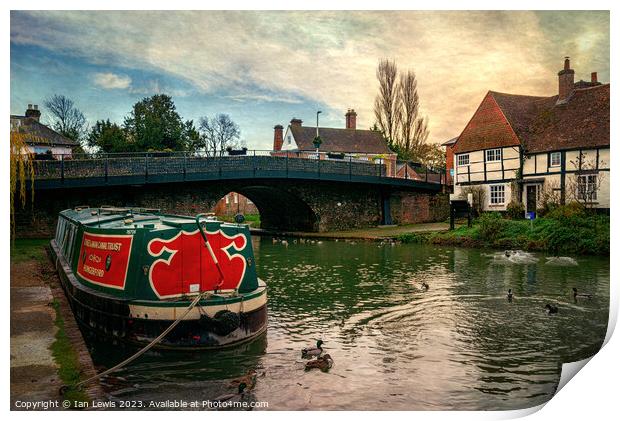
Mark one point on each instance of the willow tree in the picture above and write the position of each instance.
(22, 170)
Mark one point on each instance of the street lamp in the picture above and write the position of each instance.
(317, 140)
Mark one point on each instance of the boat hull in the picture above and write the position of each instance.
(216, 322)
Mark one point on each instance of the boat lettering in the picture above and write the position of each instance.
(105, 259)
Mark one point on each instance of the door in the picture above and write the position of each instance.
(531, 198)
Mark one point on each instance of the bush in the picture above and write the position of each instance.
(515, 210)
(570, 211)
(491, 225)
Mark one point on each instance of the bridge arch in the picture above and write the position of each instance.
(279, 209)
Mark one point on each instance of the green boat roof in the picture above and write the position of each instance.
(124, 218)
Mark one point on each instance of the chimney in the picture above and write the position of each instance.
(566, 78)
(351, 117)
(33, 112)
(594, 77)
(296, 122)
(278, 138)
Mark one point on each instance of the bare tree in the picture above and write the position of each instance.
(219, 132)
(584, 187)
(413, 129)
(387, 106)
(67, 119)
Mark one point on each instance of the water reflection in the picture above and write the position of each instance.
(458, 345)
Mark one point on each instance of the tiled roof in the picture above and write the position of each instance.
(40, 133)
(539, 124)
(340, 140)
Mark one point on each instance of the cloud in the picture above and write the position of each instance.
(111, 81)
(154, 87)
(330, 57)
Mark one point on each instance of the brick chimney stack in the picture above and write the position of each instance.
(594, 77)
(296, 122)
(566, 78)
(33, 112)
(351, 119)
(278, 138)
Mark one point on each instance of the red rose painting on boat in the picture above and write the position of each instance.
(185, 264)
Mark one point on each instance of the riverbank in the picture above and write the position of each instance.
(561, 232)
(387, 232)
(47, 348)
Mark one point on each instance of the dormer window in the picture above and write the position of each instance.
(288, 139)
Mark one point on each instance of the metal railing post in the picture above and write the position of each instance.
(287, 165)
(254, 162)
(62, 168)
(184, 166)
(146, 167)
(107, 171)
(350, 167)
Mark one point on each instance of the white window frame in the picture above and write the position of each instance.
(496, 153)
(558, 155)
(497, 197)
(463, 157)
(587, 187)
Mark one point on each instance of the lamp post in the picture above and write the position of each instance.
(317, 139)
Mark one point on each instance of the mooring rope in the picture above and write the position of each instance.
(146, 348)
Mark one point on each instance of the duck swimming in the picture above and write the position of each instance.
(313, 351)
(509, 295)
(580, 295)
(425, 286)
(232, 397)
(323, 363)
(551, 309)
(249, 380)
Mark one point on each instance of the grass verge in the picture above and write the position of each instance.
(561, 232)
(28, 249)
(67, 359)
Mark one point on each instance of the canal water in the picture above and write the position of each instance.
(396, 346)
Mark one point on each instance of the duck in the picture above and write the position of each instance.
(249, 380)
(323, 363)
(313, 351)
(274, 240)
(509, 295)
(231, 397)
(285, 243)
(580, 295)
(425, 286)
(507, 253)
(551, 309)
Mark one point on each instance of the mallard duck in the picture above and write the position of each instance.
(313, 351)
(230, 397)
(509, 295)
(580, 295)
(249, 380)
(551, 309)
(323, 363)
(425, 286)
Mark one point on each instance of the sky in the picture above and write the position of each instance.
(264, 68)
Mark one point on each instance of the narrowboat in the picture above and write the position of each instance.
(129, 273)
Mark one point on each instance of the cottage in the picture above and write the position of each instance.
(531, 149)
(349, 143)
(41, 140)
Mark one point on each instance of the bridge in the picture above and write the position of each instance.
(292, 192)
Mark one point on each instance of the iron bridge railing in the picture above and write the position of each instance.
(152, 167)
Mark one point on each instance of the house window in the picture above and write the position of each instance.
(288, 139)
(555, 159)
(463, 160)
(586, 187)
(494, 155)
(497, 194)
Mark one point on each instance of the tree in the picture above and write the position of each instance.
(106, 136)
(387, 106)
(219, 133)
(66, 118)
(155, 125)
(21, 171)
(192, 137)
(432, 155)
(397, 111)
